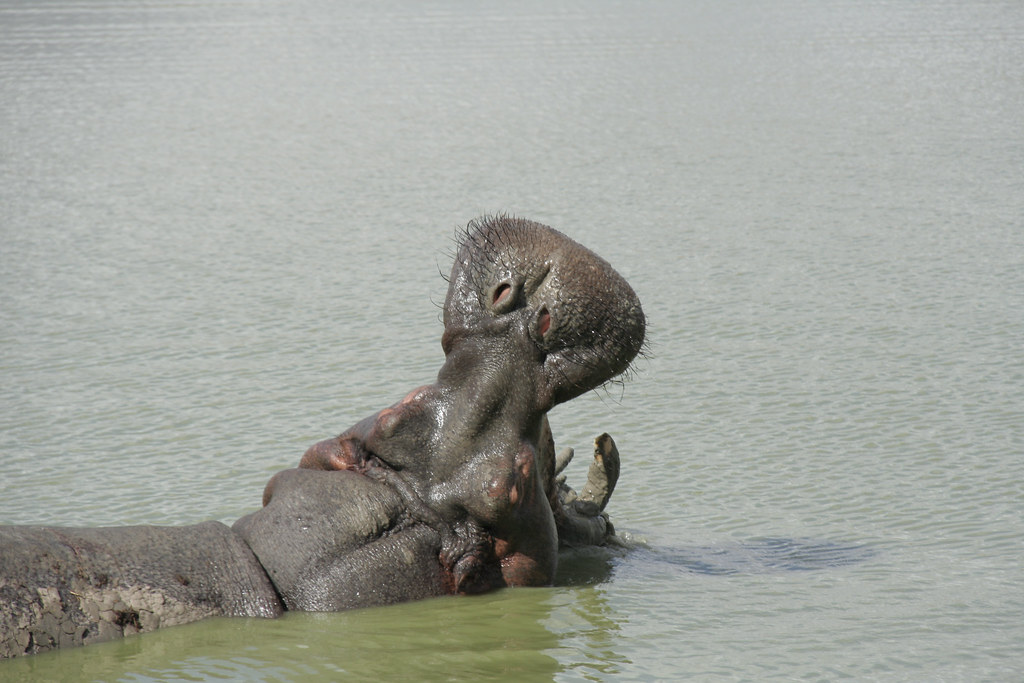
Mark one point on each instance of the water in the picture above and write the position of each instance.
(222, 231)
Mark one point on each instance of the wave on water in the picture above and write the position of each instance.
(756, 556)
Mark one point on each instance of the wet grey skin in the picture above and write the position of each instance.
(454, 489)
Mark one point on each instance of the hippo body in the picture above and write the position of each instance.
(73, 586)
(454, 489)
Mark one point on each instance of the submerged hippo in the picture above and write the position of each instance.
(454, 489)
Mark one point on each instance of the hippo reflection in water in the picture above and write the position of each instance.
(454, 489)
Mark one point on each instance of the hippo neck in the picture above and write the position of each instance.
(490, 395)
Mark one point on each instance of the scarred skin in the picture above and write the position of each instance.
(453, 489)
(486, 499)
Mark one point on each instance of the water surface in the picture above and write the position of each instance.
(222, 228)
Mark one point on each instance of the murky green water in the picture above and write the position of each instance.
(222, 228)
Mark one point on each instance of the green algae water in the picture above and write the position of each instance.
(222, 233)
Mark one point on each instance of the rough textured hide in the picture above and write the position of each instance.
(66, 586)
(336, 540)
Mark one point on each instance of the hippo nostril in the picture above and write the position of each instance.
(501, 292)
(504, 296)
(543, 322)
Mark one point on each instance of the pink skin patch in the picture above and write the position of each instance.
(544, 322)
(334, 454)
(388, 419)
(512, 485)
(524, 468)
(518, 569)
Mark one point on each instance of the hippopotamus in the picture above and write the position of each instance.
(454, 489)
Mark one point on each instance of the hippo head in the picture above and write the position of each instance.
(521, 288)
(453, 489)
